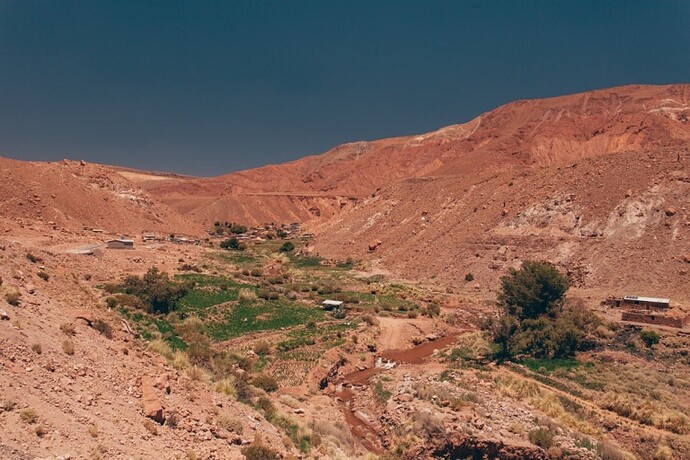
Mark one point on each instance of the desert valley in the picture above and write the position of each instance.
(365, 302)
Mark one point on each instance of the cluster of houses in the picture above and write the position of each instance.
(650, 310)
(271, 231)
(124, 242)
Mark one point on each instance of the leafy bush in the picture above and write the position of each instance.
(536, 289)
(155, 289)
(288, 246)
(649, 337)
(233, 243)
(533, 319)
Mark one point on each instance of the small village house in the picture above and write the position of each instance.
(120, 243)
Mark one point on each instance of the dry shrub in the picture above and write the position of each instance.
(290, 401)
(262, 348)
(93, 430)
(37, 348)
(370, 320)
(431, 392)
(541, 437)
(428, 424)
(103, 328)
(40, 431)
(68, 329)
(190, 328)
(230, 423)
(339, 432)
(265, 382)
(663, 453)
(68, 347)
(28, 415)
(8, 405)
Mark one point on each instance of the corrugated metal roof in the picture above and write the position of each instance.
(335, 303)
(646, 299)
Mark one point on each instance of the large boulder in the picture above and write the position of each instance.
(153, 408)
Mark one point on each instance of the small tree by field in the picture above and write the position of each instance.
(288, 246)
(157, 292)
(533, 318)
(230, 243)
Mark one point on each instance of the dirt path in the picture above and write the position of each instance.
(396, 332)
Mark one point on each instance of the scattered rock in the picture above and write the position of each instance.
(153, 408)
(3, 315)
(374, 244)
(670, 211)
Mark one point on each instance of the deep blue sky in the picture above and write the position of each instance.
(206, 88)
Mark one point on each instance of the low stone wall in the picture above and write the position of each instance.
(655, 318)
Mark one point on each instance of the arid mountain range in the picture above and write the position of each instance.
(597, 182)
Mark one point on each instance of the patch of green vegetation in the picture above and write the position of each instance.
(551, 365)
(236, 258)
(201, 299)
(307, 262)
(381, 394)
(245, 318)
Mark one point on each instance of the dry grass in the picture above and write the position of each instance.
(197, 373)
(338, 433)
(161, 347)
(247, 295)
(179, 360)
(226, 386)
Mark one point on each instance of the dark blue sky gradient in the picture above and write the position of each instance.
(206, 88)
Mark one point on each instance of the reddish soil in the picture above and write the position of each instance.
(545, 132)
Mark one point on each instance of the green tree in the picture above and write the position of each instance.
(537, 288)
(533, 319)
(155, 290)
(288, 246)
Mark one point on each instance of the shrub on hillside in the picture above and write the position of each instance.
(649, 337)
(541, 437)
(265, 382)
